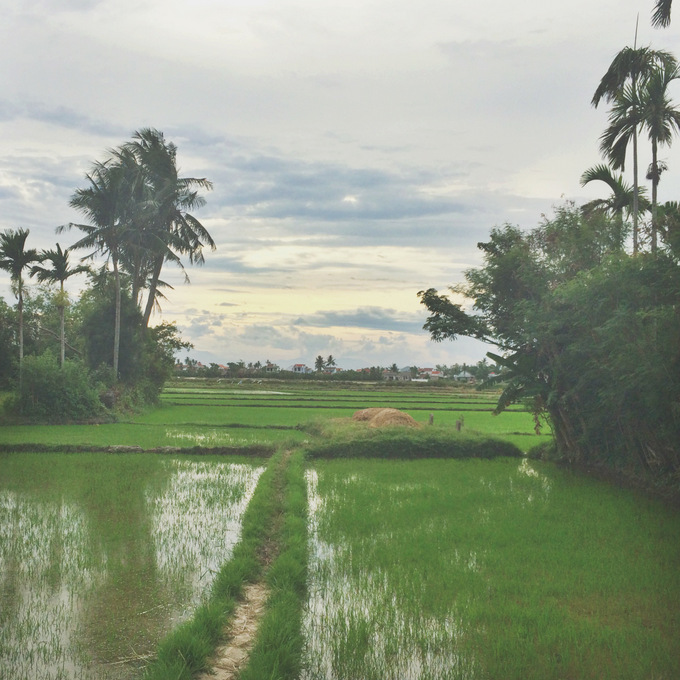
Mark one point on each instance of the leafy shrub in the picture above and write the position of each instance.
(52, 394)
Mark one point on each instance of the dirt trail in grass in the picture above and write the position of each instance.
(240, 635)
(232, 656)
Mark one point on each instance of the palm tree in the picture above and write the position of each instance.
(14, 258)
(58, 273)
(661, 16)
(650, 108)
(169, 229)
(619, 202)
(629, 70)
(107, 204)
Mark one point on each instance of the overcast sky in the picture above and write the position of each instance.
(359, 149)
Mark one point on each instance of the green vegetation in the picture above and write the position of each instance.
(103, 555)
(487, 569)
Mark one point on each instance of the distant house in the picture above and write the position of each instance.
(271, 368)
(464, 376)
(301, 368)
(431, 373)
(397, 376)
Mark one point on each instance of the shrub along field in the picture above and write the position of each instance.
(389, 553)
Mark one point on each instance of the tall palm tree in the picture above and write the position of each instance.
(661, 16)
(107, 204)
(58, 273)
(170, 230)
(14, 258)
(651, 109)
(629, 70)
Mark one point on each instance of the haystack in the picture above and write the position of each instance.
(384, 417)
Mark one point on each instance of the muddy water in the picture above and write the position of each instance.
(92, 575)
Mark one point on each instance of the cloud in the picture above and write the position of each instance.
(377, 318)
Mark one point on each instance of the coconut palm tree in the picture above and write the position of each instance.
(107, 203)
(651, 109)
(59, 272)
(629, 70)
(661, 16)
(169, 229)
(14, 258)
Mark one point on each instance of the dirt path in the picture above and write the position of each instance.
(232, 656)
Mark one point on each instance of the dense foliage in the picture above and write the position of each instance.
(589, 335)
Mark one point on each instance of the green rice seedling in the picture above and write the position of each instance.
(487, 569)
(102, 555)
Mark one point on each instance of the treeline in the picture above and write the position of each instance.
(68, 361)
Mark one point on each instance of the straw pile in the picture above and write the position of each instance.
(383, 417)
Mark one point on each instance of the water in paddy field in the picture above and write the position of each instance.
(355, 625)
(374, 608)
(88, 588)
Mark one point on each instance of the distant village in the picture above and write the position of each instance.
(327, 369)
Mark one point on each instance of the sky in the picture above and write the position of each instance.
(359, 150)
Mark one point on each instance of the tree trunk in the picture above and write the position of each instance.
(636, 191)
(62, 337)
(21, 333)
(116, 327)
(655, 185)
(158, 265)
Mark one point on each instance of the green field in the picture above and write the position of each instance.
(392, 568)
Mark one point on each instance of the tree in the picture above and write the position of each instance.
(107, 204)
(520, 305)
(650, 108)
(14, 258)
(330, 361)
(319, 363)
(165, 229)
(661, 16)
(620, 201)
(629, 70)
(59, 272)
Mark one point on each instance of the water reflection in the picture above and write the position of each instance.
(94, 569)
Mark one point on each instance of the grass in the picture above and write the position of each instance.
(487, 569)
(188, 649)
(278, 648)
(426, 568)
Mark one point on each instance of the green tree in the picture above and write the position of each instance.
(622, 198)
(525, 302)
(59, 271)
(330, 361)
(164, 227)
(107, 204)
(15, 258)
(319, 363)
(628, 72)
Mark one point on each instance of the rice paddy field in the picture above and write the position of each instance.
(113, 537)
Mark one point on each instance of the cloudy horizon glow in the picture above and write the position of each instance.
(359, 150)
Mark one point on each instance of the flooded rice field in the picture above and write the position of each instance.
(100, 556)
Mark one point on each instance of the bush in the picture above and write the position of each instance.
(52, 394)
